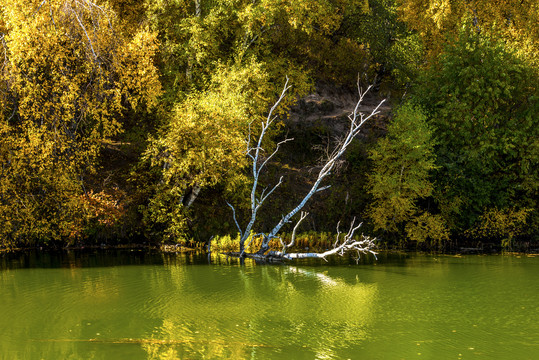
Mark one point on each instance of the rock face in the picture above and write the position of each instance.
(331, 102)
(330, 106)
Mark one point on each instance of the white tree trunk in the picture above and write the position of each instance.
(357, 119)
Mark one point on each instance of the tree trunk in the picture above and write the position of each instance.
(347, 244)
(191, 195)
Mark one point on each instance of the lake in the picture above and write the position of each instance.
(131, 304)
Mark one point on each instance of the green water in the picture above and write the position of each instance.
(139, 305)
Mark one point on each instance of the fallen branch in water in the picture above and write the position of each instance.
(255, 153)
(341, 247)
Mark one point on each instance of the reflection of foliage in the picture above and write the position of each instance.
(321, 315)
(178, 341)
(184, 309)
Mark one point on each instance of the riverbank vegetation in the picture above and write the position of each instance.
(125, 121)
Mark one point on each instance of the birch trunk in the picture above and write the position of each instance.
(254, 152)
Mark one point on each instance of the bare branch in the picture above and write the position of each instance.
(235, 220)
(4, 47)
(357, 119)
(39, 7)
(364, 246)
(85, 32)
(263, 198)
(338, 234)
(249, 243)
(273, 153)
(303, 215)
(52, 16)
(323, 188)
(352, 228)
(254, 153)
(246, 45)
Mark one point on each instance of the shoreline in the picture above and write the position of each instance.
(179, 249)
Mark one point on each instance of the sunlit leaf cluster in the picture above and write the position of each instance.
(67, 78)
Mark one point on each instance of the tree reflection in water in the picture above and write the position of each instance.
(262, 311)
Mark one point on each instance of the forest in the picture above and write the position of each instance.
(124, 121)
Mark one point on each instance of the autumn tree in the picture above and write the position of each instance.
(482, 100)
(220, 61)
(395, 49)
(286, 37)
(403, 162)
(68, 76)
(439, 21)
(202, 145)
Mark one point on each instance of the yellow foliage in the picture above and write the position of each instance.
(204, 143)
(102, 207)
(513, 20)
(68, 74)
(68, 66)
(38, 195)
(427, 227)
(504, 224)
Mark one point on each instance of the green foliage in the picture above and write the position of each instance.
(483, 101)
(290, 38)
(396, 51)
(427, 226)
(402, 162)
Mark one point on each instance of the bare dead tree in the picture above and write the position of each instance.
(340, 247)
(292, 242)
(255, 153)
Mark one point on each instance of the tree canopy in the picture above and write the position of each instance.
(122, 118)
(67, 78)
